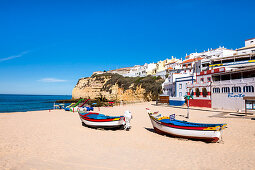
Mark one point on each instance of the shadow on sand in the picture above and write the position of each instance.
(104, 128)
(150, 130)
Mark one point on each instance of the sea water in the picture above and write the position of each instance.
(23, 103)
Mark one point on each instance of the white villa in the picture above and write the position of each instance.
(151, 68)
(136, 71)
(249, 47)
(120, 71)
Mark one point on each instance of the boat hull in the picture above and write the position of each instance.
(77, 109)
(104, 123)
(208, 136)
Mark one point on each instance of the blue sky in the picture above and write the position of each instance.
(46, 46)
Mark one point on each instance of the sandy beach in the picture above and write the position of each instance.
(57, 140)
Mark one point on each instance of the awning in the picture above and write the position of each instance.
(249, 97)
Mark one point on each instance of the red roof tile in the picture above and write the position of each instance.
(191, 60)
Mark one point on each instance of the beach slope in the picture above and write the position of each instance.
(57, 140)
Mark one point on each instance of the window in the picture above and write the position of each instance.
(249, 105)
(248, 74)
(248, 89)
(216, 90)
(180, 94)
(209, 79)
(202, 79)
(225, 89)
(216, 62)
(225, 77)
(197, 92)
(180, 86)
(236, 89)
(216, 78)
(228, 61)
(236, 76)
(204, 92)
(191, 93)
(242, 59)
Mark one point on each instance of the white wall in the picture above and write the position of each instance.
(246, 51)
(181, 85)
(162, 74)
(228, 101)
(136, 71)
(249, 42)
(151, 67)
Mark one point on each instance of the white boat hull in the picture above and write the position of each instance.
(107, 124)
(77, 109)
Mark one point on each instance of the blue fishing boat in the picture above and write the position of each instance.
(103, 121)
(184, 129)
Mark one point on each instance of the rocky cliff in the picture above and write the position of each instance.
(116, 87)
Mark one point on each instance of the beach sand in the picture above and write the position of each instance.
(57, 140)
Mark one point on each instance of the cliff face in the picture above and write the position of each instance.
(116, 87)
(92, 88)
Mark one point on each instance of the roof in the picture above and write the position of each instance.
(171, 62)
(231, 57)
(250, 46)
(191, 60)
(250, 39)
(122, 69)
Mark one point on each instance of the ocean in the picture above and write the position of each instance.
(23, 103)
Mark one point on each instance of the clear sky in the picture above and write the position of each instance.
(46, 46)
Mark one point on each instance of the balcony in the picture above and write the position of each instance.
(234, 81)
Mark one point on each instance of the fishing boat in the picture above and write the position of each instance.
(80, 109)
(77, 108)
(183, 129)
(97, 120)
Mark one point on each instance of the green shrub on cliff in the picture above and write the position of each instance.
(151, 84)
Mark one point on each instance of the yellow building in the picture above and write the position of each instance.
(161, 66)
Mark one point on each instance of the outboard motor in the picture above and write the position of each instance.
(128, 117)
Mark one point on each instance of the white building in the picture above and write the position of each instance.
(151, 68)
(162, 74)
(230, 88)
(174, 65)
(249, 47)
(120, 71)
(175, 86)
(197, 62)
(200, 88)
(169, 85)
(136, 71)
(164, 68)
(243, 57)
